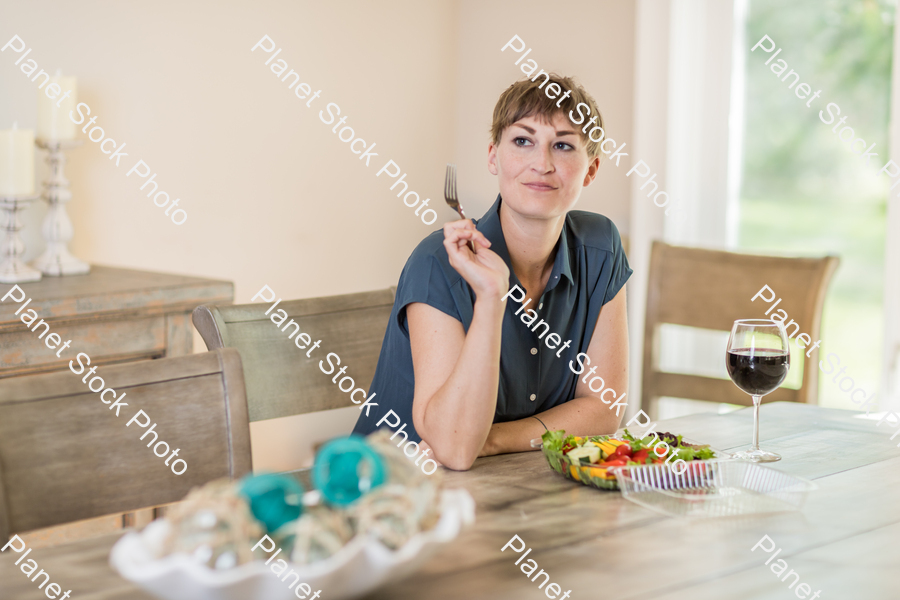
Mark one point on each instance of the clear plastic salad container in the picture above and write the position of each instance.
(713, 488)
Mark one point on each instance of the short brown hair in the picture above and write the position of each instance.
(528, 99)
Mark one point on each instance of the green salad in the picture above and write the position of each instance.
(606, 451)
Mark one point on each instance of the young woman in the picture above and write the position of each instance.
(462, 365)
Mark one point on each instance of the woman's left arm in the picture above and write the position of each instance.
(586, 414)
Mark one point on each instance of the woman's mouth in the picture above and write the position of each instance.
(539, 186)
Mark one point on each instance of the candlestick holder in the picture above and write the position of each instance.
(12, 268)
(56, 259)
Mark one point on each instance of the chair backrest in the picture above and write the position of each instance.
(281, 379)
(711, 289)
(65, 456)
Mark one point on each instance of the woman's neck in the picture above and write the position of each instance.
(531, 244)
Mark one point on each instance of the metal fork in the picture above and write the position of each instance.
(451, 198)
(450, 190)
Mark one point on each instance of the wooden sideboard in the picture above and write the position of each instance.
(114, 315)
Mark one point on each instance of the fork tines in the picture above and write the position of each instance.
(450, 184)
(450, 190)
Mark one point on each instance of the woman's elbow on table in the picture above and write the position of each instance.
(452, 456)
(448, 447)
(458, 462)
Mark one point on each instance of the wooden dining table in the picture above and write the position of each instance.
(844, 542)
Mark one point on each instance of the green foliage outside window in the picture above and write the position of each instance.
(803, 192)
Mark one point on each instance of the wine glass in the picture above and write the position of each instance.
(757, 359)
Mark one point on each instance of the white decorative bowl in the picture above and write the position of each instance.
(361, 566)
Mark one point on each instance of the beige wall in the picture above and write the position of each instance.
(273, 197)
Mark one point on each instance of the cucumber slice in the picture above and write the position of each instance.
(591, 453)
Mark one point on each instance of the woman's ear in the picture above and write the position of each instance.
(593, 167)
(492, 158)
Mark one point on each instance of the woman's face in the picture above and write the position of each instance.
(542, 167)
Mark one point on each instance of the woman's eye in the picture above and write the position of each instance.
(520, 141)
(564, 146)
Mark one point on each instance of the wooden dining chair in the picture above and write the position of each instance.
(710, 289)
(281, 379)
(65, 456)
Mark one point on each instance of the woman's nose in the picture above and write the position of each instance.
(543, 161)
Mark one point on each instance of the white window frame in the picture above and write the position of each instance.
(683, 63)
(889, 399)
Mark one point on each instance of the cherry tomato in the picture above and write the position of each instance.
(640, 456)
(623, 450)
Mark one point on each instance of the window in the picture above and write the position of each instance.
(803, 192)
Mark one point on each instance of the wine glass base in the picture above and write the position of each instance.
(757, 456)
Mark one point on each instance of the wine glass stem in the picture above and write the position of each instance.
(756, 401)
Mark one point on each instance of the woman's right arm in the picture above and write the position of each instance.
(457, 374)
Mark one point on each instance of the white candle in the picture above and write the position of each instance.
(16, 162)
(55, 101)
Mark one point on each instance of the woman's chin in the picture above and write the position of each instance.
(536, 208)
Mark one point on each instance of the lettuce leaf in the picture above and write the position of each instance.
(684, 450)
(557, 440)
(554, 440)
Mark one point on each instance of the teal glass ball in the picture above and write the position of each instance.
(274, 499)
(347, 468)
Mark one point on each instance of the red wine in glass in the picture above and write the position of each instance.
(757, 359)
(757, 372)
